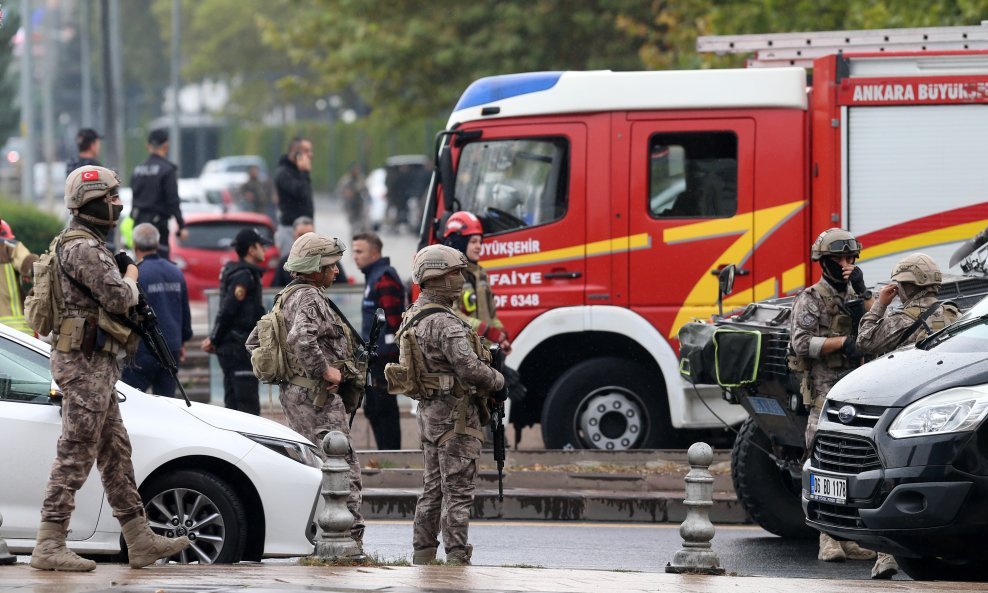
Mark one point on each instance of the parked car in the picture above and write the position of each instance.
(236, 164)
(210, 245)
(900, 461)
(248, 485)
(197, 198)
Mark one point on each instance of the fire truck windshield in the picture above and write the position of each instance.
(513, 183)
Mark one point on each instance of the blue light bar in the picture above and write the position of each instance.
(494, 88)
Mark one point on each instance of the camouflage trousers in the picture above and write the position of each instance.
(814, 420)
(92, 431)
(448, 480)
(313, 424)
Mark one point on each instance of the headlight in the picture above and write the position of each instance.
(952, 410)
(304, 454)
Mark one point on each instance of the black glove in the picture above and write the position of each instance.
(123, 260)
(856, 280)
(850, 348)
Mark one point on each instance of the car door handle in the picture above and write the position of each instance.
(563, 275)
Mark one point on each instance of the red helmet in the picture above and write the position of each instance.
(5, 231)
(465, 223)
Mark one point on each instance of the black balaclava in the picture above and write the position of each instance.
(99, 215)
(833, 273)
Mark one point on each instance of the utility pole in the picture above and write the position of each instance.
(176, 130)
(27, 104)
(47, 102)
(116, 71)
(85, 65)
(110, 154)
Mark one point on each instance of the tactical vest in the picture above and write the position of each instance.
(840, 326)
(947, 314)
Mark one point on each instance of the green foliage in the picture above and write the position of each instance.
(33, 227)
(9, 85)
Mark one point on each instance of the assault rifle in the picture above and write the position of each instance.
(369, 353)
(497, 420)
(155, 342)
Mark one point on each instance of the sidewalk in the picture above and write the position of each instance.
(263, 578)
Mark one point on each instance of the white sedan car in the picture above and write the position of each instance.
(241, 487)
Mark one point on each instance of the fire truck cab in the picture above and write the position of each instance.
(610, 200)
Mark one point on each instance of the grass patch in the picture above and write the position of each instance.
(368, 560)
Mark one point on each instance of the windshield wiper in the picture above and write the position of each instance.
(940, 336)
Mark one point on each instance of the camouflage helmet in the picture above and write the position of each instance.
(919, 269)
(835, 242)
(312, 252)
(89, 183)
(435, 261)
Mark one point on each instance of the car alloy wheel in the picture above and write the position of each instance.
(181, 511)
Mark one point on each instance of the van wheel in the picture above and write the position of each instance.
(770, 495)
(936, 569)
(606, 403)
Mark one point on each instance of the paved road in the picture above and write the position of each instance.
(743, 550)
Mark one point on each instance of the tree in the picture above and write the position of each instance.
(415, 58)
(10, 117)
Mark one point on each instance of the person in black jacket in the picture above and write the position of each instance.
(89, 143)
(155, 189)
(241, 305)
(294, 188)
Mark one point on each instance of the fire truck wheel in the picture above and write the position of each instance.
(768, 494)
(606, 403)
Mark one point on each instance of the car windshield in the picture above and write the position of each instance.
(971, 331)
(219, 235)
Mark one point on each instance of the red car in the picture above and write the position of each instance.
(202, 254)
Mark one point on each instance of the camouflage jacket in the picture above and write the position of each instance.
(316, 337)
(815, 317)
(89, 262)
(883, 330)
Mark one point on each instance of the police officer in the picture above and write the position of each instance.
(476, 303)
(241, 305)
(449, 419)
(820, 331)
(89, 143)
(327, 380)
(916, 280)
(155, 186)
(85, 362)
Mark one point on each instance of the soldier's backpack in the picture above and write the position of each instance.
(43, 306)
(270, 358)
(408, 376)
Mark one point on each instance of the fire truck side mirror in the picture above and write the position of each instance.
(725, 279)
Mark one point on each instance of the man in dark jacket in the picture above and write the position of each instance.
(241, 305)
(384, 290)
(164, 285)
(155, 187)
(294, 188)
(88, 141)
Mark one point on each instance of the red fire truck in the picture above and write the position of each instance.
(612, 199)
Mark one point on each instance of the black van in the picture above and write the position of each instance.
(900, 460)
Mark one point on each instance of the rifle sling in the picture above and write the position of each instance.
(920, 321)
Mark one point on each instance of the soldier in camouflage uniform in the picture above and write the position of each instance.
(819, 340)
(450, 419)
(916, 279)
(85, 364)
(320, 349)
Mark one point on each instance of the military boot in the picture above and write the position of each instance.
(885, 567)
(424, 556)
(50, 552)
(144, 547)
(830, 549)
(855, 552)
(459, 556)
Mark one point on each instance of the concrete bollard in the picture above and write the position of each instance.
(335, 519)
(5, 556)
(696, 556)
